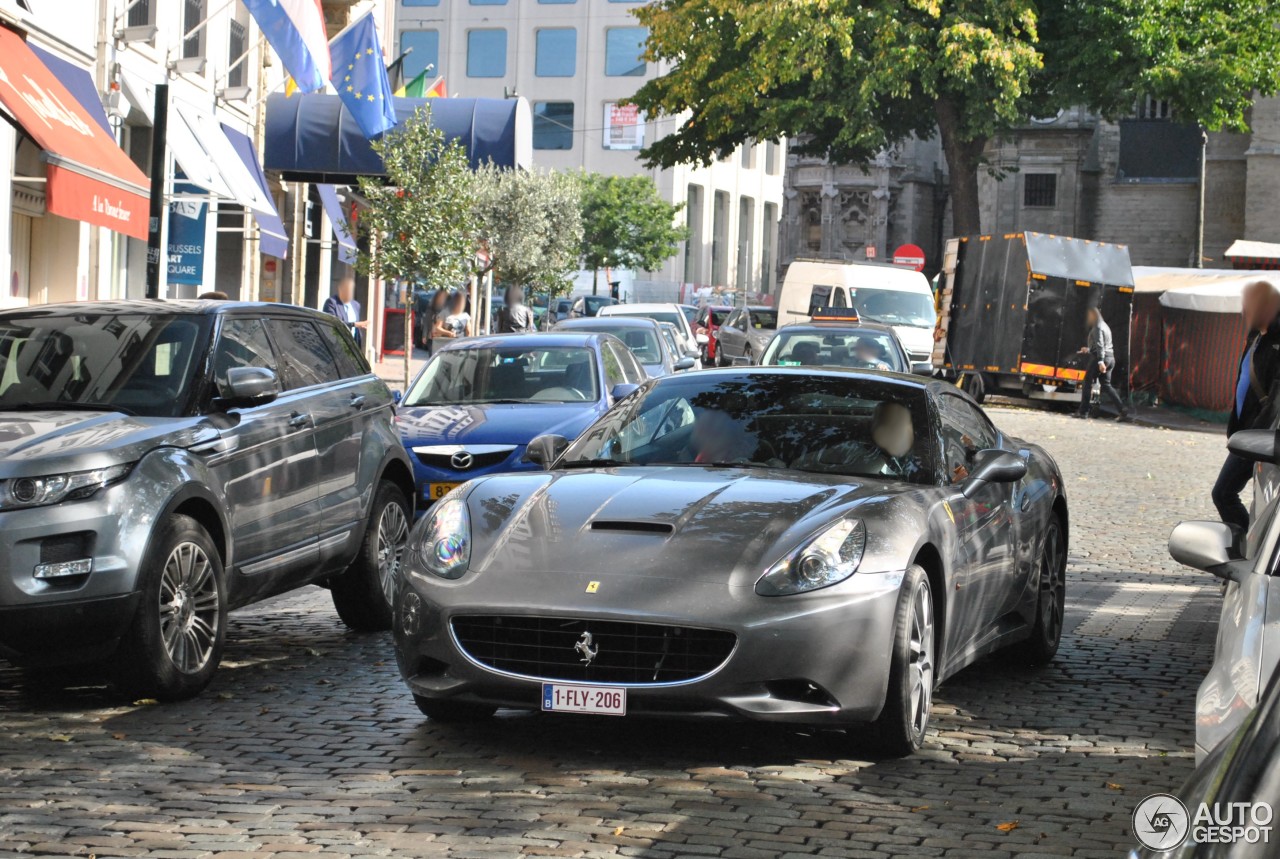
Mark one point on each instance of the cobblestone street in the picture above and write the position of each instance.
(308, 744)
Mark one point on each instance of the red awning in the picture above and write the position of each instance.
(89, 177)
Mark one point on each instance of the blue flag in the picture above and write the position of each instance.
(361, 78)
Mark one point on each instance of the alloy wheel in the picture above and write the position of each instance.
(393, 535)
(190, 607)
(1052, 585)
(920, 663)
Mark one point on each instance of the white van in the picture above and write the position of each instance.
(881, 292)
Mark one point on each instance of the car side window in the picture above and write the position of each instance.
(613, 373)
(304, 358)
(242, 343)
(351, 363)
(632, 372)
(965, 431)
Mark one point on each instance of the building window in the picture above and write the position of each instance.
(693, 244)
(1040, 190)
(624, 51)
(748, 156)
(771, 151)
(1154, 108)
(426, 52)
(141, 14)
(746, 234)
(719, 239)
(192, 16)
(486, 53)
(557, 53)
(768, 238)
(237, 46)
(553, 125)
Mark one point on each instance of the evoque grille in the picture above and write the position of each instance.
(623, 652)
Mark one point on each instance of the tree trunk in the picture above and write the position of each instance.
(963, 160)
(595, 281)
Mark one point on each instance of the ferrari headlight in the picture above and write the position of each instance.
(827, 559)
(445, 548)
(18, 492)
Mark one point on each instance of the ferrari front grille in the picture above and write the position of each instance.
(592, 651)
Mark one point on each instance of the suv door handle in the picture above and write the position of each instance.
(298, 420)
(357, 401)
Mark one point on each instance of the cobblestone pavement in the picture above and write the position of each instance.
(307, 744)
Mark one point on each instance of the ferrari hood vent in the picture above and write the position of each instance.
(633, 527)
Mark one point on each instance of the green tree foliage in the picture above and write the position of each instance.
(626, 224)
(421, 220)
(853, 76)
(531, 223)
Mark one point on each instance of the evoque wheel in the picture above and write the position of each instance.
(1046, 634)
(363, 594)
(174, 645)
(901, 726)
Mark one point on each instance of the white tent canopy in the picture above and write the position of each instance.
(1205, 290)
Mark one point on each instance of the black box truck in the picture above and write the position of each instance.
(1011, 312)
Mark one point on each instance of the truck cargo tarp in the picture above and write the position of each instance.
(312, 138)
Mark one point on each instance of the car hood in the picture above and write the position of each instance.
(916, 340)
(709, 524)
(513, 424)
(53, 441)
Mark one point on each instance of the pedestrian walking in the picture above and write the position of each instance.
(459, 320)
(343, 305)
(1102, 360)
(433, 326)
(1252, 408)
(515, 317)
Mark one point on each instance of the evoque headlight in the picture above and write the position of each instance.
(827, 559)
(18, 492)
(445, 547)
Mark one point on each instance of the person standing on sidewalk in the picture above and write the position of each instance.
(1251, 408)
(515, 317)
(1102, 360)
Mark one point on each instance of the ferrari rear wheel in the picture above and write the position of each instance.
(1051, 605)
(451, 712)
(900, 728)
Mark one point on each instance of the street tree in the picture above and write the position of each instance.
(626, 224)
(420, 220)
(530, 222)
(851, 77)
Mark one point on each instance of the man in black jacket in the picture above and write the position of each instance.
(1251, 407)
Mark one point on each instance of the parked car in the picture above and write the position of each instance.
(859, 345)
(671, 336)
(477, 403)
(1236, 784)
(589, 305)
(663, 313)
(162, 463)
(560, 309)
(745, 334)
(707, 324)
(644, 337)
(1248, 643)
(859, 537)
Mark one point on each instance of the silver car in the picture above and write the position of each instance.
(787, 544)
(644, 337)
(745, 334)
(162, 463)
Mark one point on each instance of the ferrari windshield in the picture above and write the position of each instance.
(142, 364)
(507, 374)
(895, 307)
(859, 348)
(817, 423)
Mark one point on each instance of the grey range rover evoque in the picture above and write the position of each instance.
(162, 463)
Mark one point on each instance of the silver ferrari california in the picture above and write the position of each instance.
(786, 544)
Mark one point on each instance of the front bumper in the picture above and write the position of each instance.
(432, 481)
(819, 658)
(69, 618)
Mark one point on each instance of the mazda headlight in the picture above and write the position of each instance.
(18, 492)
(827, 559)
(445, 547)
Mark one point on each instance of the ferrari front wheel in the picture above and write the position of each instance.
(900, 728)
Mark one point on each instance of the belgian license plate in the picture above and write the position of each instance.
(598, 700)
(436, 491)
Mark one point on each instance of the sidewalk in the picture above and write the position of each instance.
(391, 368)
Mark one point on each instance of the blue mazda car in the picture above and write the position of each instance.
(478, 402)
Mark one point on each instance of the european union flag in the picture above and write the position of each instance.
(361, 78)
